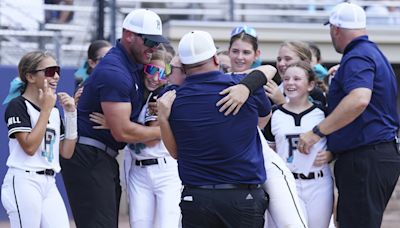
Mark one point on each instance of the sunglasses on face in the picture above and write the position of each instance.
(151, 70)
(247, 30)
(49, 71)
(148, 43)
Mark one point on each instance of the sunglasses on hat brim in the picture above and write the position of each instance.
(152, 70)
(49, 71)
(247, 30)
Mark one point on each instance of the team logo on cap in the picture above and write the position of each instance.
(158, 25)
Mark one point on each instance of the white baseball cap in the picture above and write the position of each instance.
(145, 22)
(347, 15)
(196, 46)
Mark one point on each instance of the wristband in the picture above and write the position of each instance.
(71, 125)
(318, 132)
(255, 80)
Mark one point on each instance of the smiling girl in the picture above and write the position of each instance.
(37, 138)
(313, 176)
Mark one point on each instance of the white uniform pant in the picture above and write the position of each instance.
(316, 198)
(284, 208)
(154, 193)
(33, 200)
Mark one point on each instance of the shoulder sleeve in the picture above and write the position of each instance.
(361, 76)
(263, 103)
(322, 108)
(115, 88)
(267, 130)
(17, 117)
(167, 88)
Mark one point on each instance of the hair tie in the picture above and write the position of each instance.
(16, 87)
(320, 71)
(82, 72)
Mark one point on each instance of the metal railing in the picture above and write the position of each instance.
(69, 41)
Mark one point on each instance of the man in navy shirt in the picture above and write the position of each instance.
(362, 124)
(115, 88)
(220, 157)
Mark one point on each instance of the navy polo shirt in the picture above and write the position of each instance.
(363, 65)
(214, 148)
(117, 78)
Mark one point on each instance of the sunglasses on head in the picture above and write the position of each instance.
(247, 30)
(148, 43)
(49, 71)
(151, 70)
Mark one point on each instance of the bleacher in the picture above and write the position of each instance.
(22, 25)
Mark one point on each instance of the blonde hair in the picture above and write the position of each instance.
(301, 49)
(162, 54)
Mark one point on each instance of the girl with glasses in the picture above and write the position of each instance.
(152, 179)
(153, 182)
(38, 137)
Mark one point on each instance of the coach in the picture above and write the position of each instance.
(362, 124)
(220, 157)
(115, 89)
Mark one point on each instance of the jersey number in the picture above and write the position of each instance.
(49, 140)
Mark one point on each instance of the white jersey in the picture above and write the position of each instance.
(315, 191)
(140, 151)
(285, 129)
(22, 116)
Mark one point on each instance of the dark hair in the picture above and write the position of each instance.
(306, 66)
(315, 50)
(246, 38)
(29, 63)
(93, 49)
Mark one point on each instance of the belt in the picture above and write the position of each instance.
(146, 162)
(47, 172)
(376, 145)
(226, 186)
(310, 176)
(99, 145)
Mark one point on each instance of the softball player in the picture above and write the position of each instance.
(37, 137)
(298, 115)
(153, 182)
(284, 208)
(151, 174)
